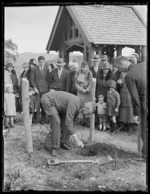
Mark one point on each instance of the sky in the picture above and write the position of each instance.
(30, 27)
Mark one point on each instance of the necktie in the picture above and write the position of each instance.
(59, 73)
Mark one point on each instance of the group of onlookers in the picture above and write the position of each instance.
(120, 93)
(111, 89)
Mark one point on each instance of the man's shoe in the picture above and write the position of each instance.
(54, 153)
(65, 146)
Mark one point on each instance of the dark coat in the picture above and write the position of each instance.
(136, 83)
(62, 103)
(73, 88)
(93, 72)
(27, 75)
(102, 85)
(62, 83)
(14, 81)
(39, 79)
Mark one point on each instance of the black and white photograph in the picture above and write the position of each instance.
(75, 97)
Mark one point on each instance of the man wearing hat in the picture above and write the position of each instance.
(39, 81)
(136, 81)
(95, 65)
(104, 58)
(134, 58)
(60, 77)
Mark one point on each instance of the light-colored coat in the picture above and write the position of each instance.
(9, 104)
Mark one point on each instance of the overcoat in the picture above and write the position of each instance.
(39, 79)
(9, 104)
(102, 84)
(63, 103)
(62, 83)
(136, 83)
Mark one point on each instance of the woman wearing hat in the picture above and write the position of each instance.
(102, 80)
(113, 103)
(83, 81)
(75, 68)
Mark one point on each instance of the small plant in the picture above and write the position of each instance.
(12, 178)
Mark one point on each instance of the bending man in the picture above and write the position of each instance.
(62, 107)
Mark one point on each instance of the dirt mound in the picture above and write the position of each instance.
(103, 149)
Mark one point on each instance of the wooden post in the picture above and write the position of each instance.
(25, 103)
(139, 142)
(92, 117)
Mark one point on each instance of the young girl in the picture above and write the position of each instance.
(113, 103)
(101, 108)
(9, 106)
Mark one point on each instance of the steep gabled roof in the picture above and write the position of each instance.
(108, 24)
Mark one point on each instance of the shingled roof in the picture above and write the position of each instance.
(112, 24)
(107, 24)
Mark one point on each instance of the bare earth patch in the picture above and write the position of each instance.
(23, 171)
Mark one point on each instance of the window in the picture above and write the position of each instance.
(65, 35)
(76, 33)
(71, 34)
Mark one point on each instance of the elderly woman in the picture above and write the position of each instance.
(134, 58)
(75, 68)
(83, 82)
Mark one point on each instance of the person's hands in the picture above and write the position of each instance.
(119, 81)
(84, 91)
(116, 109)
(36, 91)
(71, 139)
(136, 119)
(17, 95)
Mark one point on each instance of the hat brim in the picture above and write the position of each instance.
(60, 64)
(95, 60)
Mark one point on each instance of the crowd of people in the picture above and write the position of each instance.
(58, 93)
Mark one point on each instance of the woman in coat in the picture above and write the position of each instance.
(75, 68)
(83, 82)
(125, 109)
(102, 80)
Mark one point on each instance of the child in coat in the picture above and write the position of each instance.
(9, 106)
(113, 103)
(101, 109)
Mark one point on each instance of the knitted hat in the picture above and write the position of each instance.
(84, 63)
(106, 65)
(112, 84)
(101, 96)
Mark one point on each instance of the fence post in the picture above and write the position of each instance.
(92, 117)
(25, 104)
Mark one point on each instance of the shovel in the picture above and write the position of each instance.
(96, 161)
